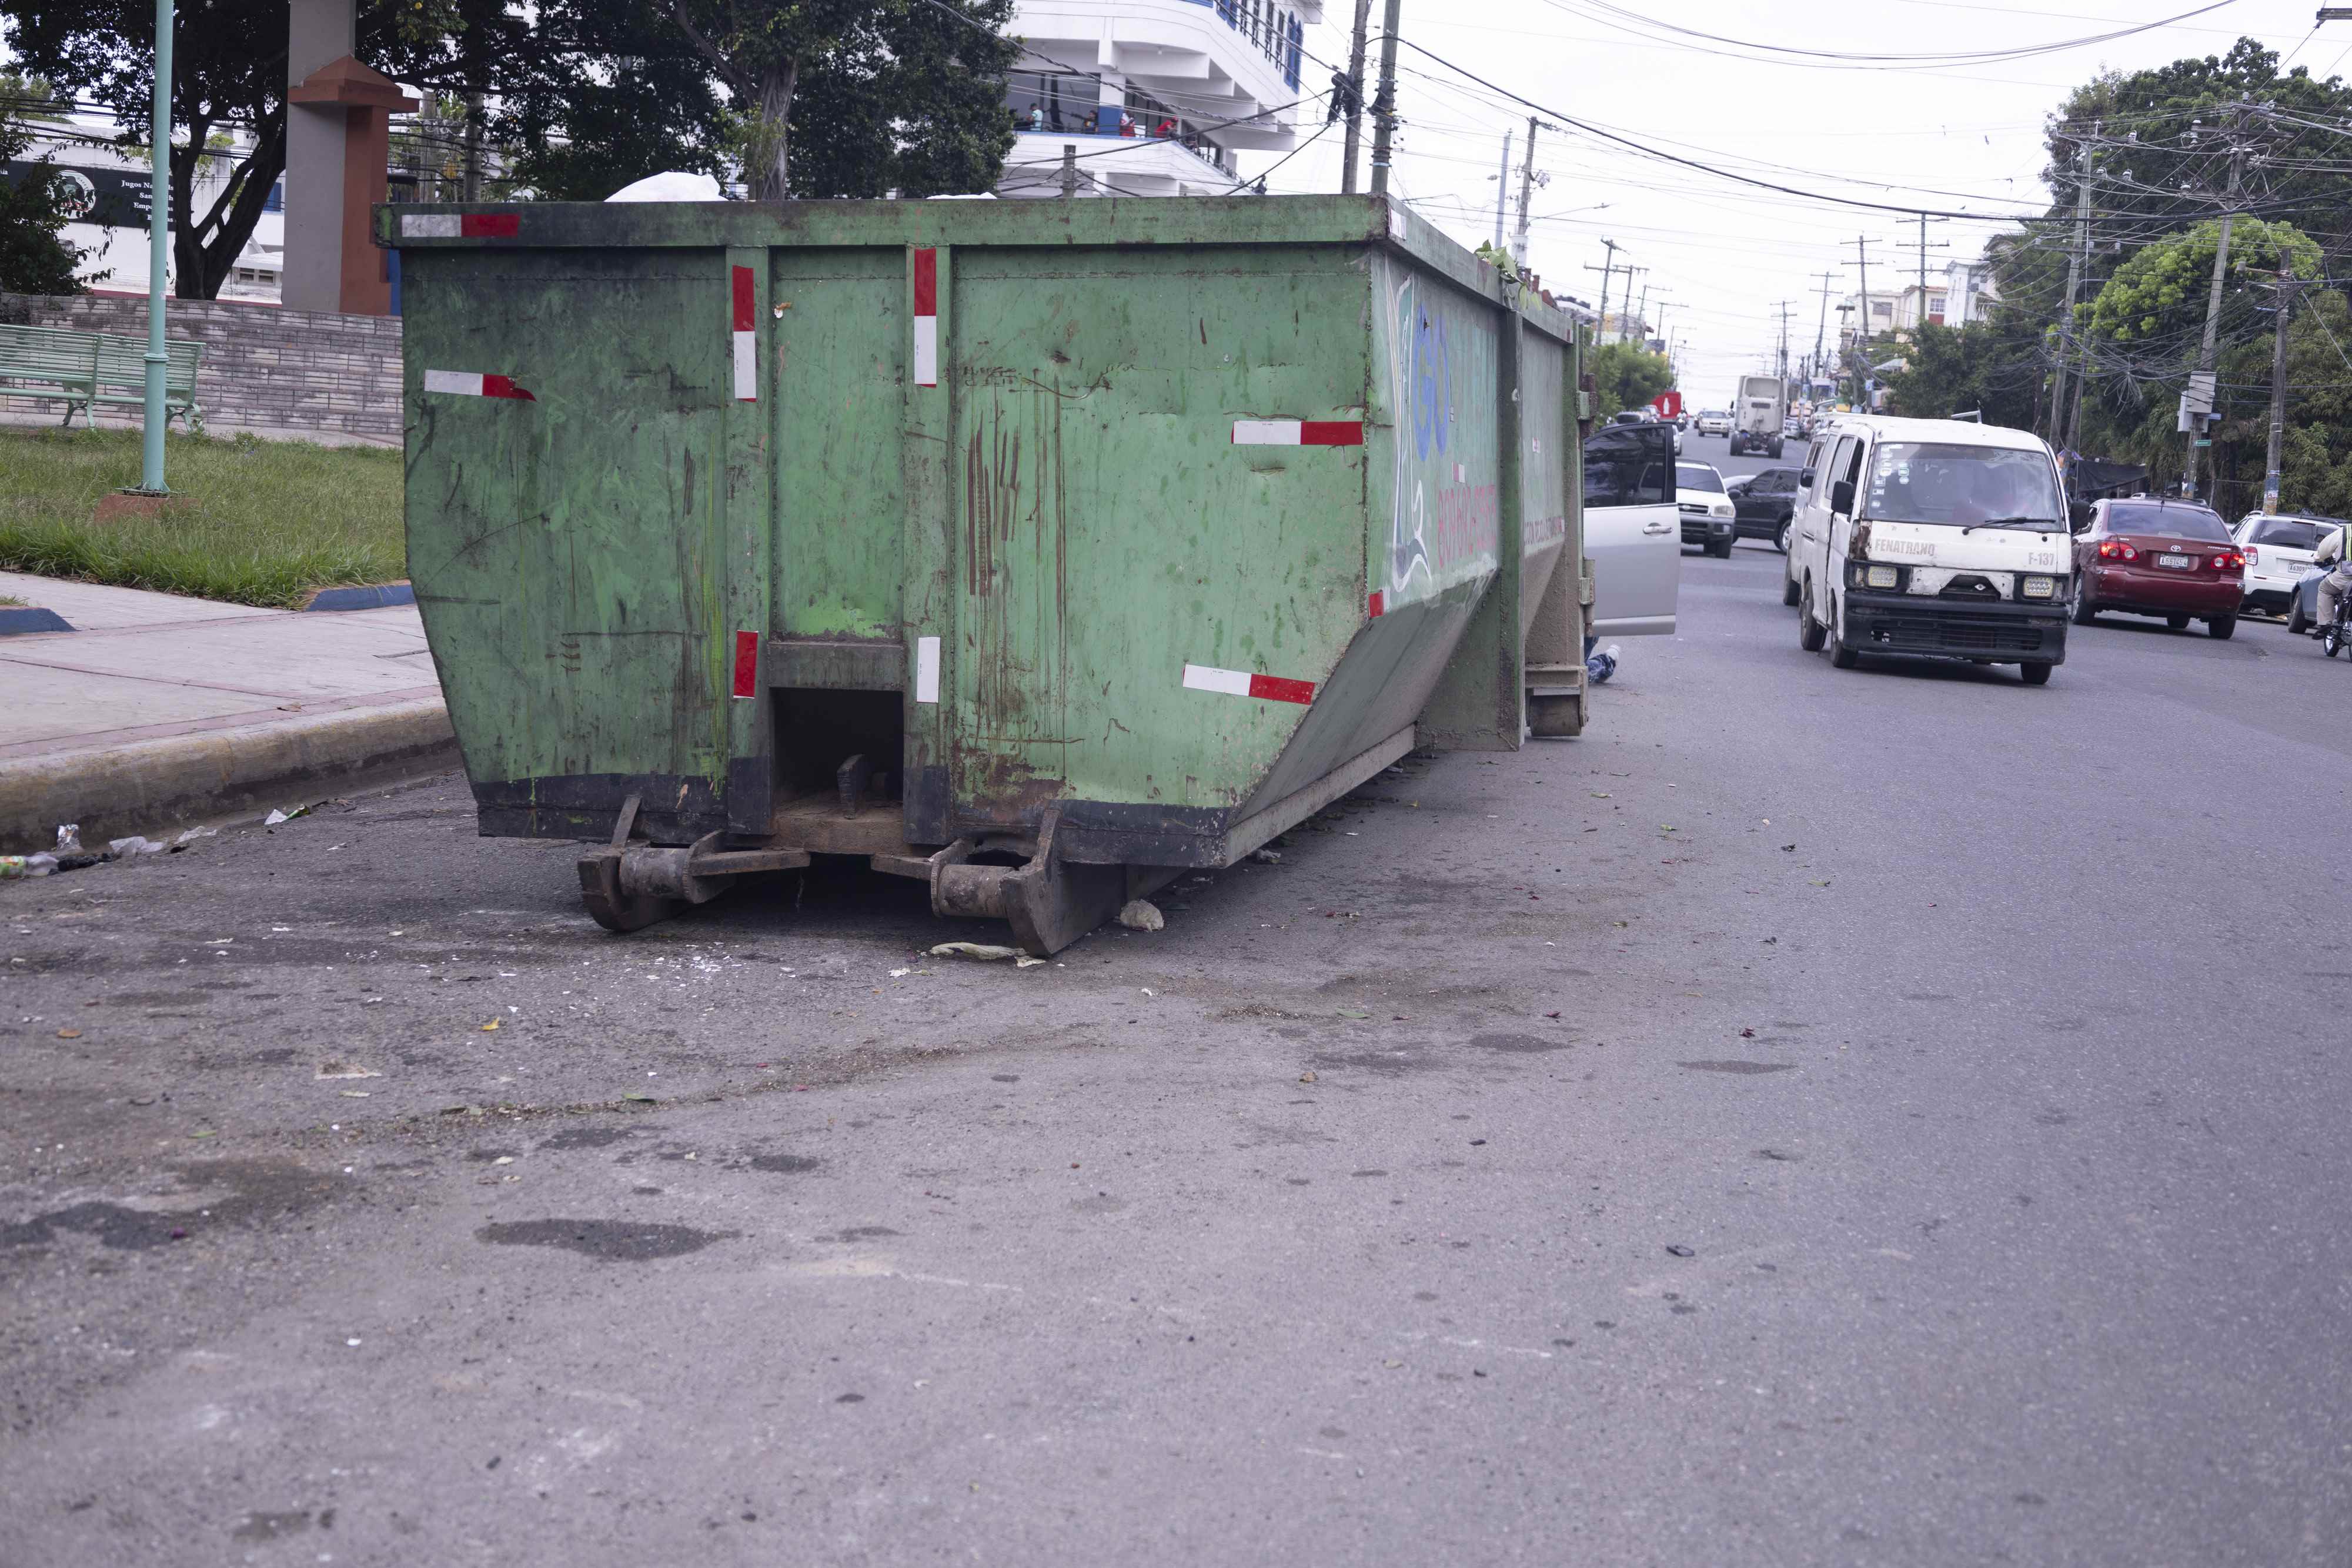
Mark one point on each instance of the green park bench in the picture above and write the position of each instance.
(87, 367)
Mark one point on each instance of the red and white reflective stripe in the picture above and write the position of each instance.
(747, 341)
(1242, 683)
(459, 226)
(1298, 433)
(470, 383)
(926, 316)
(747, 664)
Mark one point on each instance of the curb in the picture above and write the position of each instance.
(151, 785)
(22, 620)
(372, 596)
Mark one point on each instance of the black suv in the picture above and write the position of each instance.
(1766, 503)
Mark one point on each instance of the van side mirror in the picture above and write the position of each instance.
(1806, 479)
(1842, 496)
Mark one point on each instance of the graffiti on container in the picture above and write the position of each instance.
(1436, 529)
(1542, 531)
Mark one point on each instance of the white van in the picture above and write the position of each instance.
(1931, 536)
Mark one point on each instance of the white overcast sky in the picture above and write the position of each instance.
(1963, 138)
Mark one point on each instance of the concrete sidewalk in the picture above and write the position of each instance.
(156, 710)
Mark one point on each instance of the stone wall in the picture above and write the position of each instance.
(286, 374)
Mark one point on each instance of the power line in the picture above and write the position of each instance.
(1643, 25)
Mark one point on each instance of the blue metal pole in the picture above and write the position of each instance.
(159, 235)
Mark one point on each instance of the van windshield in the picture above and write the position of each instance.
(1941, 482)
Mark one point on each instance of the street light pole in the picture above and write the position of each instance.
(159, 235)
(1503, 190)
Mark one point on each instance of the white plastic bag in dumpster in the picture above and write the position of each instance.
(670, 185)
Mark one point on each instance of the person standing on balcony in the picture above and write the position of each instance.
(1166, 129)
(1126, 123)
(1036, 116)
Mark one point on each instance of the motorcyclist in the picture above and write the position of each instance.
(2339, 581)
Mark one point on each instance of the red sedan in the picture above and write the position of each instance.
(2152, 557)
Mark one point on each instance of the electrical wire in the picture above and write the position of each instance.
(1648, 25)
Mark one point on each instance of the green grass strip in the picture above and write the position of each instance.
(254, 522)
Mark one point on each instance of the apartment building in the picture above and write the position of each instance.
(1153, 97)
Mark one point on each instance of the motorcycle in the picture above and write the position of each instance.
(2336, 635)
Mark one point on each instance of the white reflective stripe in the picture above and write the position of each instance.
(1204, 678)
(1265, 432)
(747, 366)
(429, 226)
(927, 669)
(927, 351)
(469, 383)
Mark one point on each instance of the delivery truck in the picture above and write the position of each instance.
(1756, 416)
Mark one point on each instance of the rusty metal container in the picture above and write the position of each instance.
(1034, 549)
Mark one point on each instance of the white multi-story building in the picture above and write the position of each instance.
(1969, 292)
(1156, 95)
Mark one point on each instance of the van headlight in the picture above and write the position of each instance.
(2038, 588)
(1878, 577)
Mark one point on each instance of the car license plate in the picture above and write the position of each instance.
(2175, 560)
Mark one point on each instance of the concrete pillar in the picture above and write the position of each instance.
(338, 144)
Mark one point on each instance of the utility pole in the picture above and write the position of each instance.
(1384, 105)
(1784, 343)
(1600, 324)
(1640, 315)
(473, 186)
(1626, 309)
(2286, 293)
(2075, 261)
(1861, 258)
(1502, 190)
(1819, 331)
(1861, 333)
(1068, 178)
(2199, 420)
(1526, 195)
(1355, 131)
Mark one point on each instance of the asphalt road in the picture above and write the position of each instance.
(1877, 1117)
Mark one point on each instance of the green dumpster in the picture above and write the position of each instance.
(1037, 549)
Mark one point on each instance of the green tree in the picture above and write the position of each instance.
(904, 94)
(2162, 142)
(2159, 296)
(1627, 376)
(34, 256)
(31, 98)
(613, 92)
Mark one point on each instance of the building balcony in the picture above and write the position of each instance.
(1114, 165)
(1211, 61)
